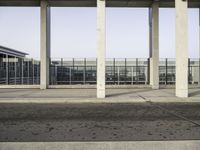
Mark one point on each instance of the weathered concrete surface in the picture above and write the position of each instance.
(99, 122)
(181, 48)
(89, 95)
(149, 145)
(101, 48)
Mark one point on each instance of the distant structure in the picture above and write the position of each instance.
(15, 68)
(9, 52)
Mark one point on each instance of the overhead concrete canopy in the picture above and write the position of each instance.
(92, 3)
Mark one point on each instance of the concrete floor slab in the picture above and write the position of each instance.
(89, 96)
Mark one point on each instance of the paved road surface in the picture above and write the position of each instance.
(99, 122)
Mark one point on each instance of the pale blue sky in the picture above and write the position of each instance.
(73, 32)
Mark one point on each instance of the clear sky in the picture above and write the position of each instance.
(73, 32)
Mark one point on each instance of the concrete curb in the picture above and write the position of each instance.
(64, 100)
(95, 101)
(121, 145)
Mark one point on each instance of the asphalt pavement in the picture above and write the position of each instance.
(99, 122)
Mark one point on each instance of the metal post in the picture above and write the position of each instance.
(114, 70)
(132, 75)
(38, 73)
(72, 70)
(15, 59)
(7, 70)
(33, 71)
(84, 71)
(118, 75)
(125, 72)
(166, 77)
(148, 75)
(22, 76)
(62, 69)
(28, 65)
(137, 78)
(70, 75)
(189, 71)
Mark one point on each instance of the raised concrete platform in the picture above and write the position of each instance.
(89, 96)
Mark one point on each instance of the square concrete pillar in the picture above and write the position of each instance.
(44, 44)
(199, 47)
(181, 48)
(101, 47)
(154, 45)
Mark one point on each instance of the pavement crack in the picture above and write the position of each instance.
(168, 111)
(173, 113)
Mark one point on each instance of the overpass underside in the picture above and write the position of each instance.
(93, 3)
(181, 7)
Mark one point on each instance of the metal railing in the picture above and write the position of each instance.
(16, 71)
(83, 71)
(25, 71)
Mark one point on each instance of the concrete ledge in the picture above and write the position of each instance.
(135, 145)
(97, 101)
(79, 86)
(19, 86)
(68, 100)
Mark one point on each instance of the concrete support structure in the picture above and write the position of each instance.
(45, 44)
(199, 46)
(181, 48)
(154, 45)
(101, 47)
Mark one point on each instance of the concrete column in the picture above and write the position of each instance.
(181, 48)
(199, 49)
(101, 47)
(154, 45)
(45, 44)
